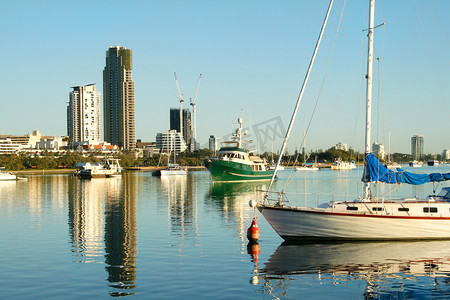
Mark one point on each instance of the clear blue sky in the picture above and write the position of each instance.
(253, 56)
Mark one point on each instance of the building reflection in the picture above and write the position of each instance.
(102, 212)
(86, 218)
(41, 194)
(181, 194)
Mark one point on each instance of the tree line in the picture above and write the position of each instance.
(49, 160)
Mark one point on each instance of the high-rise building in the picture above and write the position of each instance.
(446, 154)
(118, 98)
(417, 147)
(83, 114)
(175, 123)
(378, 149)
(213, 143)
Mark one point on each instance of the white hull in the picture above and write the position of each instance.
(318, 224)
(415, 164)
(343, 165)
(173, 172)
(307, 169)
(7, 176)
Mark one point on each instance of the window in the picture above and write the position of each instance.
(377, 209)
(403, 209)
(352, 208)
(430, 210)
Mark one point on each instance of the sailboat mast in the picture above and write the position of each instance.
(299, 99)
(369, 93)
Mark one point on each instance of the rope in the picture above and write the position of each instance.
(291, 178)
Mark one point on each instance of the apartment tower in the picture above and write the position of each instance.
(118, 99)
(83, 114)
(175, 123)
(417, 147)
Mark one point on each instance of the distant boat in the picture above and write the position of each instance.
(109, 168)
(415, 164)
(392, 165)
(306, 168)
(343, 165)
(172, 168)
(272, 167)
(433, 163)
(368, 217)
(234, 163)
(4, 176)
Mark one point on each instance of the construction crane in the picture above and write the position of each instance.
(194, 117)
(181, 104)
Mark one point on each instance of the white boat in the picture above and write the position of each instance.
(110, 168)
(368, 217)
(433, 163)
(415, 164)
(343, 165)
(173, 169)
(7, 176)
(272, 167)
(307, 168)
(392, 165)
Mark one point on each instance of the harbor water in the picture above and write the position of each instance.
(146, 237)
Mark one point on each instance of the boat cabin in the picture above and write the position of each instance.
(444, 195)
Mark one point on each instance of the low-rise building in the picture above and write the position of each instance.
(8, 147)
(170, 141)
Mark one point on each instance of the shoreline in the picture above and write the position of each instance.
(70, 171)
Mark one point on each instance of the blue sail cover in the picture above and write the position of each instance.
(378, 172)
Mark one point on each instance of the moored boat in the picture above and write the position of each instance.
(110, 168)
(4, 176)
(415, 164)
(307, 168)
(392, 165)
(367, 217)
(234, 163)
(173, 169)
(339, 164)
(433, 163)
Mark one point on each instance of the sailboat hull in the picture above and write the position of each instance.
(317, 224)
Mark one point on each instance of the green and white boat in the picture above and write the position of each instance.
(234, 163)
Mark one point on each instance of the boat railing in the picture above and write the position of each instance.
(281, 199)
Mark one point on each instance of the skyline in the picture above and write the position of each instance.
(252, 56)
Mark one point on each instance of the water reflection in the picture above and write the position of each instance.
(104, 210)
(231, 200)
(181, 192)
(403, 269)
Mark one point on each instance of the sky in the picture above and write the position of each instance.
(253, 56)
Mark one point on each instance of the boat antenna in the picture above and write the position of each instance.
(299, 99)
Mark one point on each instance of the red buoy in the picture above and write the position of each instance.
(253, 231)
(254, 250)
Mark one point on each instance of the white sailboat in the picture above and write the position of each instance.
(172, 168)
(368, 217)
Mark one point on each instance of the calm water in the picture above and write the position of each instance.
(147, 237)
